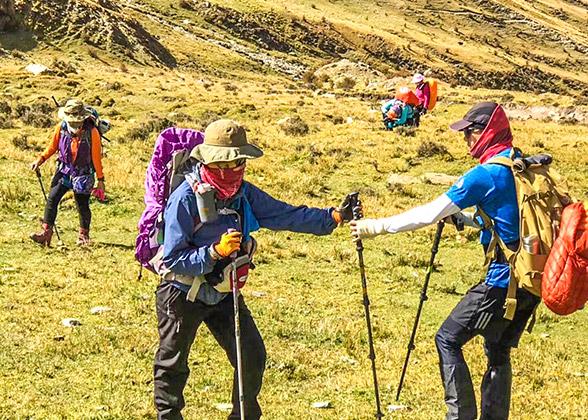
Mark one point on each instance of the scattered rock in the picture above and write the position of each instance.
(38, 69)
(439, 179)
(322, 404)
(258, 294)
(399, 179)
(99, 310)
(71, 322)
(223, 407)
(393, 408)
(349, 120)
(348, 360)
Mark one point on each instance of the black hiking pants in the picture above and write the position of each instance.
(481, 312)
(56, 193)
(178, 321)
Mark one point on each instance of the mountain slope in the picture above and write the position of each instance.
(476, 43)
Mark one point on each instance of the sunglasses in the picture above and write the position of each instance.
(471, 130)
(227, 165)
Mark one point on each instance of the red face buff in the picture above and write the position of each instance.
(226, 181)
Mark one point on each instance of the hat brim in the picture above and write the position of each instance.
(72, 118)
(461, 125)
(210, 154)
(417, 80)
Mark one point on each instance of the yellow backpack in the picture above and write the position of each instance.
(542, 193)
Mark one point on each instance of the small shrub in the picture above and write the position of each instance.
(114, 86)
(22, 142)
(37, 119)
(309, 77)
(295, 126)
(63, 66)
(5, 108)
(6, 121)
(346, 83)
(429, 149)
(186, 4)
(123, 68)
(205, 118)
(406, 131)
(338, 119)
(538, 143)
(21, 109)
(144, 130)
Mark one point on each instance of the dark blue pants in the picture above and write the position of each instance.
(179, 320)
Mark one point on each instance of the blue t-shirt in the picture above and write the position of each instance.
(491, 186)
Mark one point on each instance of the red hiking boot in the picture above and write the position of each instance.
(43, 237)
(83, 237)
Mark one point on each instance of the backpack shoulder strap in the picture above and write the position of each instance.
(510, 303)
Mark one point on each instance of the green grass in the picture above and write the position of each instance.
(310, 313)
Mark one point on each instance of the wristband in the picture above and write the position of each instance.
(213, 254)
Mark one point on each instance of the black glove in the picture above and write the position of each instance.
(456, 219)
(348, 207)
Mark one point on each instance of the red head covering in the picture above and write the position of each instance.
(495, 138)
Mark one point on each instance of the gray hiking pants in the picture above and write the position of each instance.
(178, 322)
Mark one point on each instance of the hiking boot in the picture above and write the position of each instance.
(83, 237)
(43, 237)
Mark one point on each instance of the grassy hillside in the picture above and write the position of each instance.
(305, 294)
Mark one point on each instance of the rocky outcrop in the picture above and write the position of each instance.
(102, 25)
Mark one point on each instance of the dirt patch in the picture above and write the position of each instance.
(101, 25)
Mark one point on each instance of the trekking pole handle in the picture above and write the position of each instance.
(233, 254)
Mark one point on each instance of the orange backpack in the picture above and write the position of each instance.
(433, 92)
(564, 287)
(407, 96)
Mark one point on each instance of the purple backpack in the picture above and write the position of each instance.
(171, 150)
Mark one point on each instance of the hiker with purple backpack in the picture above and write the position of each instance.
(207, 225)
(77, 142)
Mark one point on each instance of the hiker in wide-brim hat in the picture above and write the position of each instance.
(74, 112)
(225, 141)
(490, 187)
(77, 142)
(197, 247)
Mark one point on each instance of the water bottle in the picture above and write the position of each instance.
(205, 200)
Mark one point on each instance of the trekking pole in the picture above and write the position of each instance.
(354, 201)
(236, 293)
(45, 195)
(424, 297)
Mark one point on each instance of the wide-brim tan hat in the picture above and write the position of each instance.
(225, 141)
(73, 112)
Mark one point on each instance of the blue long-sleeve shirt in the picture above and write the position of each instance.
(186, 251)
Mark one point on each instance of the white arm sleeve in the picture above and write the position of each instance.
(422, 216)
(413, 219)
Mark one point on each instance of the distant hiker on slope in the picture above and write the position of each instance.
(208, 224)
(491, 188)
(423, 92)
(80, 157)
(400, 111)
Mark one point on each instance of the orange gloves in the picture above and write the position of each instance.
(229, 243)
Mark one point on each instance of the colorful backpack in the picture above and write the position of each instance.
(542, 194)
(407, 96)
(433, 92)
(164, 174)
(564, 287)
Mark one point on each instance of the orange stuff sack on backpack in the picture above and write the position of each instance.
(564, 287)
(407, 96)
(433, 93)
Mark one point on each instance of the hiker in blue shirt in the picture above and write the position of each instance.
(197, 252)
(491, 188)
